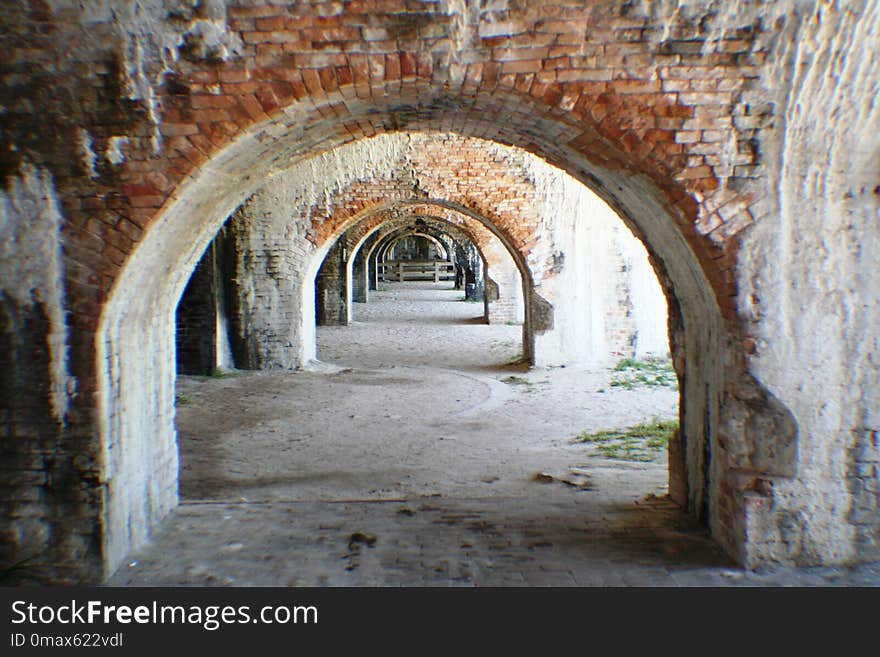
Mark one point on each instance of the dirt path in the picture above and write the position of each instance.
(408, 457)
(414, 403)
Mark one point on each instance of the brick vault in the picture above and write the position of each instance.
(737, 141)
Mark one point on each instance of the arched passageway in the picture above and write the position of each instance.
(254, 211)
(421, 432)
(467, 242)
(663, 120)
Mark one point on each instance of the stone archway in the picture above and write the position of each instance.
(679, 160)
(487, 252)
(700, 335)
(139, 131)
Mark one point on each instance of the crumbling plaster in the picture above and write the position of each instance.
(788, 147)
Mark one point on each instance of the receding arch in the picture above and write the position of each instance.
(134, 342)
(377, 211)
(371, 233)
(441, 249)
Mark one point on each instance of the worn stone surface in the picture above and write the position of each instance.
(331, 288)
(810, 287)
(543, 214)
(433, 455)
(449, 542)
(736, 140)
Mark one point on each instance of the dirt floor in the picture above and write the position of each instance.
(415, 403)
(418, 453)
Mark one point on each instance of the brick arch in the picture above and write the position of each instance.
(509, 228)
(387, 235)
(654, 100)
(630, 127)
(398, 214)
(215, 168)
(428, 236)
(497, 185)
(386, 219)
(359, 224)
(371, 209)
(470, 182)
(602, 153)
(380, 225)
(401, 171)
(387, 241)
(495, 259)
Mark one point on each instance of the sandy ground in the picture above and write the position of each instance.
(414, 403)
(404, 458)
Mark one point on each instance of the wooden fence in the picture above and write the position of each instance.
(416, 270)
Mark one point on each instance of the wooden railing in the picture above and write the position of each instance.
(416, 270)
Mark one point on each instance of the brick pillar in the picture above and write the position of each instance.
(331, 307)
(359, 285)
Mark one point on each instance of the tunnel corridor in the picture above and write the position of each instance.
(420, 451)
(196, 366)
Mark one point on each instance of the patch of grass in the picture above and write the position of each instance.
(630, 373)
(632, 364)
(217, 373)
(643, 442)
(519, 381)
(182, 400)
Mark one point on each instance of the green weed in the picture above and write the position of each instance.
(630, 373)
(519, 381)
(643, 442)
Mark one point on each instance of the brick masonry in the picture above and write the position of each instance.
(129, 137)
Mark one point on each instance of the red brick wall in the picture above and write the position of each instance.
(606, 93)
(666, 111)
